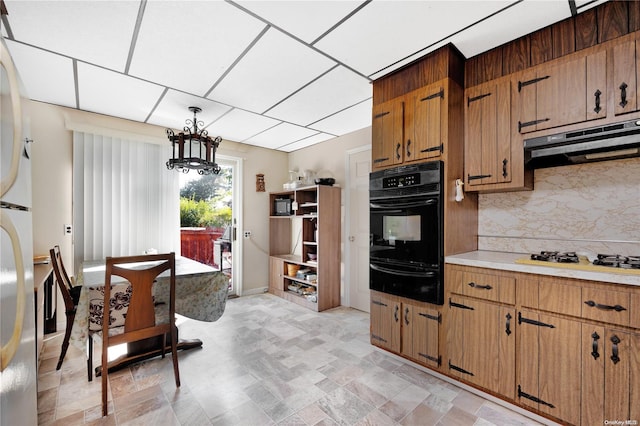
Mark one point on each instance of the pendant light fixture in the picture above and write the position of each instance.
(193, 148)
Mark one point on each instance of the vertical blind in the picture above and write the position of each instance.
(125, 201)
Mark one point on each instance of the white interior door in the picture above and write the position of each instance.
(357, 213)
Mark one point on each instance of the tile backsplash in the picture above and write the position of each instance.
(588, 207)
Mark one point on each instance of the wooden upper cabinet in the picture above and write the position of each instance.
(624, 77)
(488, 134)
(387, 134)
(562, 93)
(423, 122)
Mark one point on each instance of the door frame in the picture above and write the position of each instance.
(346, 297)
(236, 219)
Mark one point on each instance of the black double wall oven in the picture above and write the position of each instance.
(406, 255)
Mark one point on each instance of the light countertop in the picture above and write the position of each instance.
(507, 262)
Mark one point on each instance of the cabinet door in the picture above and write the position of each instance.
(387, 134)
(420, 327)
(488, 134)
(609, 383)
(385, 322)
(549, 372)
(624, 75)
(276, 275)
(482, 344)
(561, 94)
(424, 112)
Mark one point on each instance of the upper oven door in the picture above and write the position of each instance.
(406, 230)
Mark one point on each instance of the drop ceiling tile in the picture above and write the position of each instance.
(188, 45)
(239, 125)
(280, 135)
(173, 110)
(303, 143)
(306, 20)
(276, 66)
(334, 91)
(346, 121)
(111, 93)
(58, 87)
(483, 37)
(384, 32)
(98, 32)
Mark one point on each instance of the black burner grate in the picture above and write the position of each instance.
(556, 256)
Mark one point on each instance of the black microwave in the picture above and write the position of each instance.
(282, 207)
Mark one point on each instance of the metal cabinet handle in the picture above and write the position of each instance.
(623, 94)
(406, 316)
(478, 286)
(597, 94)
(594, 345)
(504, 168)
(508, 326)
(614, 349)
(616, 308)
(409, 148)
(398, 151)
(395, 313)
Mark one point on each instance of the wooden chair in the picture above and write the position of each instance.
(70, 295)
(140, 320)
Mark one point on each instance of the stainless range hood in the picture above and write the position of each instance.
(613, 141)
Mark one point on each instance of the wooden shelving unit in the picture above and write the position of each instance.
(313, 249)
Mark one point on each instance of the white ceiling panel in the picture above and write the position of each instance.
(346, 121)
(173, 110)
(303, 143)
(111, 93)
(306, 20)
(239, 125)
(509, 25)
(58, 87)
(334, 91)
(275, 73)
(369, 41)
(98, 32)
(280, 135)
(188, 45)
(275, 67)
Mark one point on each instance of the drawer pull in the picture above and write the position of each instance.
(594, 346)
(614, 349)
(616, 308)
(481, 287)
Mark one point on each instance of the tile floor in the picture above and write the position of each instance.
(265, 362)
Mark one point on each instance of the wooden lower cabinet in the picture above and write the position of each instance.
(406, 327)
(549, 354)
(481, 344)
(385, 321)
(420, 328)
(610, 375)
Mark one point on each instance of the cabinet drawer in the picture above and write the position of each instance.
(555, 296)
(606, 306)
(489, 287)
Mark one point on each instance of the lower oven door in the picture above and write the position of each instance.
(407, 281)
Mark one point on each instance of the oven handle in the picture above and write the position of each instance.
(427, 274)
(396, 205)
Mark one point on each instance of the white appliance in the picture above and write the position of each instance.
(18, 375)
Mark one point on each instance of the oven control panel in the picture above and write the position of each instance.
(401, 181)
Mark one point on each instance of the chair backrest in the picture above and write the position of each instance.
(64, 283)
(141, 272)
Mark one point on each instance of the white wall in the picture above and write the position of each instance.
(52, 181)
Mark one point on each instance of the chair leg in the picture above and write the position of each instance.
(104, 375)
(90, 358)
(65, 341)
(174, 353)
